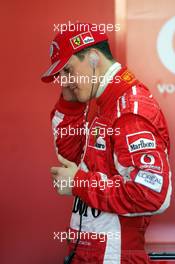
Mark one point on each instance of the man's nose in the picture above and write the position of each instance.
(64, 84)
(64, 79)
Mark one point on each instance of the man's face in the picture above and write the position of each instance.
(79, 78)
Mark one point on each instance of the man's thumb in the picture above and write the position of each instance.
(64, 161)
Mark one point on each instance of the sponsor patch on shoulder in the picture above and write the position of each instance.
(151, 180)
(149, 160)
(128, 76)
(140, 141)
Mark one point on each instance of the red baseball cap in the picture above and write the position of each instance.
(72, 40)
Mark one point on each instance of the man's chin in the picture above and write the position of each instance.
(82, 99)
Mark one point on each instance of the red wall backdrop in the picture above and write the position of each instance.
(30, 209)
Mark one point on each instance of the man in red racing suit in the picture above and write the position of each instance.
(122, 174)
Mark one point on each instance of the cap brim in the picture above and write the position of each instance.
(57, 66)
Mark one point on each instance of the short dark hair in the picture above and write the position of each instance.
(101, 46)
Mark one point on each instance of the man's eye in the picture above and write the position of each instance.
(67, 70)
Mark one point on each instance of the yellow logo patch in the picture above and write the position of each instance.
(128, 76)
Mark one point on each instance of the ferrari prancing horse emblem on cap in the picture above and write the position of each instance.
(77, 41)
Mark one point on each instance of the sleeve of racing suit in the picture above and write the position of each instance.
(142, 184)
(68, 129)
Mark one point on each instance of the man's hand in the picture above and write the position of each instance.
(63, 176)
